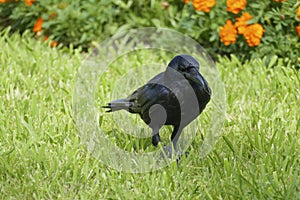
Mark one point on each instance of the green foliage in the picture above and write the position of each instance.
(278, 19)
(41, 156)
(81, 23)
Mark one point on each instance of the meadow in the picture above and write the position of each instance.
(41, 157)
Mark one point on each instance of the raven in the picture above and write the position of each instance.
(174, 97)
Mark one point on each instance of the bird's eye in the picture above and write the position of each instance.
(183, 68)
(189, 68)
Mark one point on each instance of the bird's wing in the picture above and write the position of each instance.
(149, 96)
(144, 94)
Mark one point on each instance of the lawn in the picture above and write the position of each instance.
(41, 157)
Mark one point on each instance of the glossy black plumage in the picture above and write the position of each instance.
(174, 97)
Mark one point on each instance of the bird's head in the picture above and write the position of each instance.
(183, 62)
(188, 66)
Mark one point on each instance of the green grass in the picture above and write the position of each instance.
(257, 157)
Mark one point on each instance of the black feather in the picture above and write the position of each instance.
(161, 101)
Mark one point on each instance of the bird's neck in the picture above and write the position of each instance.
(172, 75)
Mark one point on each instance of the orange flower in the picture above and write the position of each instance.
(4, 1)
(279, 0)
(241, 22)
(298, 12)
(298, 30)
(253, 34)
(45, 38)
(29, 2)
(53, 43)
(52, 15)
(204, 5)
(228, 33)
(187, 1)
(235, 6)
(38, 25)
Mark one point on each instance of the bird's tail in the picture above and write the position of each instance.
(120, 104)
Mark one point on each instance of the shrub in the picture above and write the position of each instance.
(249, 29)
(246, 28)
(81, 22)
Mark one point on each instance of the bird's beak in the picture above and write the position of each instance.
(194, 76)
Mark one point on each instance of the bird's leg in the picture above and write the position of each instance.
(175, 136)
(158, 117)
(155, 137)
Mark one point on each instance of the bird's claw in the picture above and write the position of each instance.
(171, 152)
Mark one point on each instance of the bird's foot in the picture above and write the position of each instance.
(168, 151)
(171, 152)
(155, 139)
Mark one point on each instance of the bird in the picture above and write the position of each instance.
(174, 97)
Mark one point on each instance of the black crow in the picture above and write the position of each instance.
(174, 97)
